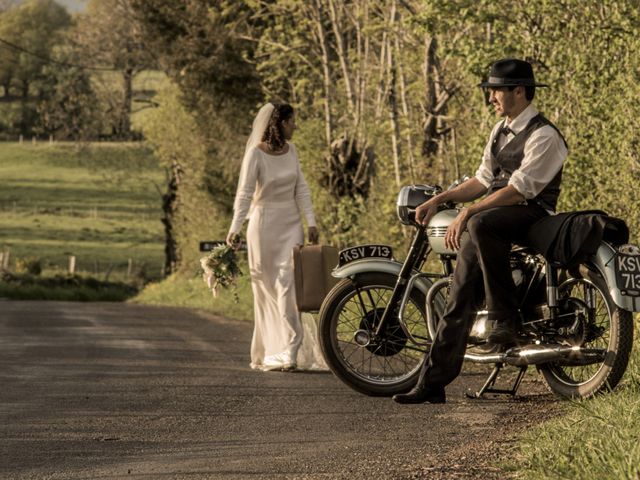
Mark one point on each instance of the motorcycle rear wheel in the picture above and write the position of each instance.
(610, 329)
(348, 317)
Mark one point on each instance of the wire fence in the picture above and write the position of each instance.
(129, 270)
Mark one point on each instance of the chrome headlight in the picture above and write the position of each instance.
(410, 197)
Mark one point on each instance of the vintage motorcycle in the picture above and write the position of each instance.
(377, 324)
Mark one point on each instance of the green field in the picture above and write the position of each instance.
(98, 202)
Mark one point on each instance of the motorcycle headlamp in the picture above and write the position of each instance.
(410, 197)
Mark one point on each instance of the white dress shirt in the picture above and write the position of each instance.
(544, 155)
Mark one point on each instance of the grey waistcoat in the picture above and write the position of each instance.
(509, 159)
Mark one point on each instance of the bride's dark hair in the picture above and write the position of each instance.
(274, 134)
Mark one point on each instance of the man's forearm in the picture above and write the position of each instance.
(465, 192)
(501, 198)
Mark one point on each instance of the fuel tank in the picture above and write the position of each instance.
(437, 229)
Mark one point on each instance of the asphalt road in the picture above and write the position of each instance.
(105, 390)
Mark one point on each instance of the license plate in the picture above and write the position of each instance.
(628, 270)
(359, 252)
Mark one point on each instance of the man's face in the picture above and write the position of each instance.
(503, 100)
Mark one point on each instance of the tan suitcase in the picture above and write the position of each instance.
(312, 265)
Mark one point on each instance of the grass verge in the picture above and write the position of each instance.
(192, 292)
(596, 438)
(63, 288)
(98, 202)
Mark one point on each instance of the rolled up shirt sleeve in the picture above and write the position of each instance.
(484, 174)
(544, 155)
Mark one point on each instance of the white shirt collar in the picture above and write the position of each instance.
(521, 121)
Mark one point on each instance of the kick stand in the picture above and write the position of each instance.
(488, 385)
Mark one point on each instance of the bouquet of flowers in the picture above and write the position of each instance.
(220, 268)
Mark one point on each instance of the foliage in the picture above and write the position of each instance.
(30, 265)
(34, 28)
(591, 98)
(596, 438)
(201, 48)
(67, 109)
(179, 146)
(186, 291)
(63, 287)
(107, 35)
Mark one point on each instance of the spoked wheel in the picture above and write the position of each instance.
(601, 327)
(371, 362)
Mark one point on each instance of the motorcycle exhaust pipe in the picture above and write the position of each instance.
(536, 354)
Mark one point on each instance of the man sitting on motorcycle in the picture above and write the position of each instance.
(521, 171)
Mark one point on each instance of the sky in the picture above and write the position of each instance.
(73, 5)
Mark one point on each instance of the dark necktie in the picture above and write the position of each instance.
(502, 131)
(506, 131)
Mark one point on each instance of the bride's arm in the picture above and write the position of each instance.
(244, 194)
(303, 194)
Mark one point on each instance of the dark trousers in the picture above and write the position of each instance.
(482, 273)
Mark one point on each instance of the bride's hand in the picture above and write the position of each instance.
(313, 235)
(233, 240)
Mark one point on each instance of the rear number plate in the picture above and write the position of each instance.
(628, 273)
(364, 251)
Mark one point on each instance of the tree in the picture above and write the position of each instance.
(30, 30)
(197, 45)
(68, 109)
(108, 36)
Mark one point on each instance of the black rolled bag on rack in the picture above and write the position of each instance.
(567, 239)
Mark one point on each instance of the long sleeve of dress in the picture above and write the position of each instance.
(303, 196)
(246, 189)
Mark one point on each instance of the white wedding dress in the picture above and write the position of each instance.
(272, 192)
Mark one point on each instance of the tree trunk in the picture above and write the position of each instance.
(405, 108)
(393, 107)
(343, 57)
(124, 125)
(169, 210)
(326, 73)
(437, 96)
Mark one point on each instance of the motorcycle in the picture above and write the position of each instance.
(377, 324)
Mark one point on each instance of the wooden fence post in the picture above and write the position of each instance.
(129, 267)
(72, 264)
(5, 259)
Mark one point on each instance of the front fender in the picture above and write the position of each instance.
(369, 265)
(604, 261)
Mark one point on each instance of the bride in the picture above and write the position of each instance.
(273, 193)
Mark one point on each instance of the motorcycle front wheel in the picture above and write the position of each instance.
(605, 328)
(377, 365)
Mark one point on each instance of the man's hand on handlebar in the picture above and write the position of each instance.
(425, 211)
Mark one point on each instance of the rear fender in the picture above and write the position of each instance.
(604, 261)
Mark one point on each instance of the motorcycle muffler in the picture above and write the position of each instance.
(537, 354)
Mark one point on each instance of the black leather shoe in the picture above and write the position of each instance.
(422, 394)
(503, 333)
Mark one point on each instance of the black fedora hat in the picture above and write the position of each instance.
(511, 72)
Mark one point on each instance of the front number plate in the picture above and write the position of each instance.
(628, 274)
(359, 252)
